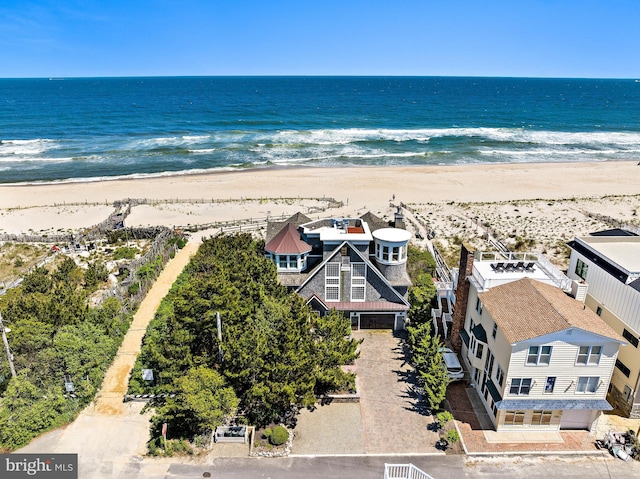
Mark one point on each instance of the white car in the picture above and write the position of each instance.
(451, 362)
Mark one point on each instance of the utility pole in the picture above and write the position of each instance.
(6, 345)
(219, 324)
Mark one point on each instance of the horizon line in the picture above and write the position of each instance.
(58, 78)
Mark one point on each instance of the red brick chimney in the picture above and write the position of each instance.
(462, 295)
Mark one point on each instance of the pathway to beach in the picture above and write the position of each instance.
(109, 435)
(114, 387)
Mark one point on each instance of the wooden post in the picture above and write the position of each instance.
(6, 345)
(164, 434)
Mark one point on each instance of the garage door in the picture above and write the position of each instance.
(377, 321)
(576, 419)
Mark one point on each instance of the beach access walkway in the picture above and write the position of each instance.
(109, 435)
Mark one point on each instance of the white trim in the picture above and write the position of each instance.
(358, 282)
(375, 270)
(331, 282)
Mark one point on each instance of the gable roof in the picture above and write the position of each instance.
(274, 227)
(374, 222)
(287, 241)
(370, 267)
(526, 309)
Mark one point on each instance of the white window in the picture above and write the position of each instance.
(520, 386)
(358, 281)
(479, 306)
(514, 418)
(332, 281)
(499, 375)
(550, 384)
(396, 253)
(539, 355)
(587, 384)
(385, 253)
(541, 418)
(282, 261)
(589, 355)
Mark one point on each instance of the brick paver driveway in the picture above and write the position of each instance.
(392, 420)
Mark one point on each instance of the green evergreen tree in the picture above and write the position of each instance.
(203, 401)
(426, 356)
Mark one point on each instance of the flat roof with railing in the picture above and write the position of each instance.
(494, 268)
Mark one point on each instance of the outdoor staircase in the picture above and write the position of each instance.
(404, 471)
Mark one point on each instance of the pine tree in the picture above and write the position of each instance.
(426, 356)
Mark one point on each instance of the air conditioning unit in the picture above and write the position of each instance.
(579, 290)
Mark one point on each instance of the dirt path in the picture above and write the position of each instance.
(109, 398)
(110, 436)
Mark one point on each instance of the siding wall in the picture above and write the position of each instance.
(622, 300)
(563, 365)
(375, 290)
(499, 346)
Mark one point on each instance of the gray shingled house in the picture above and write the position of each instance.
(354, 265)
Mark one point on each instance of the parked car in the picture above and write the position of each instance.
(451, 362)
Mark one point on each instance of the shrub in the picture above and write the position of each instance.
(267, 433)
(279, 435)
(125, 252)
(453, 436)
(134, 288)
(444, 417)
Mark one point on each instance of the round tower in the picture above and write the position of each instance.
(391, 251)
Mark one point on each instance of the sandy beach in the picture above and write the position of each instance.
(360, 186)
(452, 198)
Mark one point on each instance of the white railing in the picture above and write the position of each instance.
(557, 276)
(404, 471)
(553, 273)
(506, 256)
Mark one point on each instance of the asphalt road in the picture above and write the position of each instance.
(372, 467)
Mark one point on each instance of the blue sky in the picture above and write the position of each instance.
(539, 38)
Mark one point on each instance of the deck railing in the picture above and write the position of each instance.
(404, 471)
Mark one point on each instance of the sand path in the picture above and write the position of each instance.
(109, 435)
(110, 398)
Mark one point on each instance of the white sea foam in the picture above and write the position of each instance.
(26, 147)
(33, 159)
(203, 151)
(345, 136)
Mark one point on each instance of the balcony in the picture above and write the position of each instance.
(492, 269)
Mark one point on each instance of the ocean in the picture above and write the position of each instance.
(81, 129)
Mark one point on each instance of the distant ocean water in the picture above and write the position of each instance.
(80, 129)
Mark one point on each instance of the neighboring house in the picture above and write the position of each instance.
(607, 267)
(539, 359)
(340, 263)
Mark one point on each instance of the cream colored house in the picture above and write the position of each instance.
(607, 267)
(539, 359)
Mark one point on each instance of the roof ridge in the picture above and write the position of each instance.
(544, 296)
